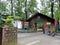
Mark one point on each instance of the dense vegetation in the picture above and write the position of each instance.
(25, 8)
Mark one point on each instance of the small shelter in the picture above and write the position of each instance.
(40, 22)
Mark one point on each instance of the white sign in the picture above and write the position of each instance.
(19, 24)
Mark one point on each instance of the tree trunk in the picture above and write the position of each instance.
(26, 8)
(52, 6)
(59, 4)
(18, 3)
(11, 7)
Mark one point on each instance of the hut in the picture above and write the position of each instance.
(39, 22)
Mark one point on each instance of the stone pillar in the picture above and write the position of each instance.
(9, 36)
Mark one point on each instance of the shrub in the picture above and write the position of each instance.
(17, 17)
(8, 19)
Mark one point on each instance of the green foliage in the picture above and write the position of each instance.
(3, 6)
(18, 5)
(8, 19)
(57, 14)
(7, 22)
(17, 17)
(47, 8)
(32, 4)
(42, 2)
(28, 7)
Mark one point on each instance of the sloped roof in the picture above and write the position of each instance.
(42, 15)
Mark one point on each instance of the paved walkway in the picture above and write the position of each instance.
(37, 39)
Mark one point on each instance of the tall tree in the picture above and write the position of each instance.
(31, 7)
(59, 4)
(32, 4)
(45, 7)
(11, 7)
(19, 8)
(52, 6)
(56, 10)
(26, 8)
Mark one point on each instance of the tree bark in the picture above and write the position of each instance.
(52, 6)
(59, 4)
(26, 8)
(11, 7)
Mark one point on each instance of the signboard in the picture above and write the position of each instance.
(26, 25)
(19, 25)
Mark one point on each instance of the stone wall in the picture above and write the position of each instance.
(9, 36)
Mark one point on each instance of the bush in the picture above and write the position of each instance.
(17, 17)
(8, 19)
